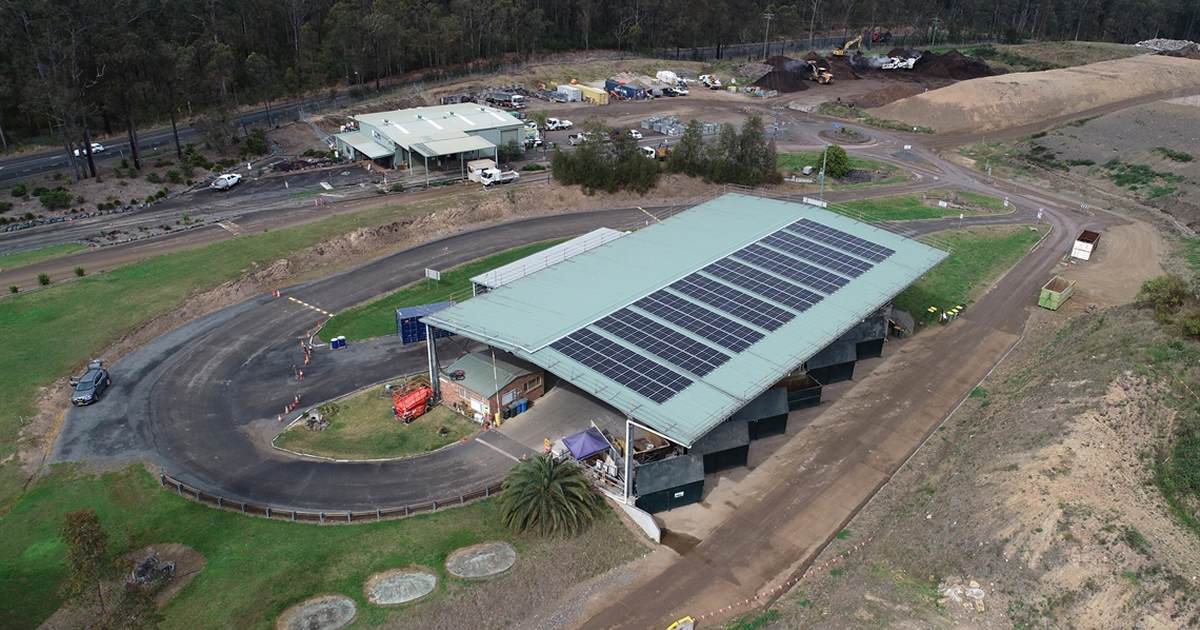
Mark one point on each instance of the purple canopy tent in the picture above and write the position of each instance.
(586, 443)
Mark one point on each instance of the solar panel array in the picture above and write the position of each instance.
(668, 344)
(644, 376)
(819, 254)
(824, 281)
(699, 320)
(771, 287)
(730, 300)
(745, 286)
(873, 252)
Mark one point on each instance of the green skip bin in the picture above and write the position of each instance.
(1055, 292)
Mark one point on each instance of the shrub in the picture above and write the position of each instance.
(837, 162)
(12, 288)
(397, 187)
(1173, 155)
(19, 190)
(1165, 294)
(44, 279)
(174, 176)
(5, 206)
(1191, 324)
(56, 199)
(548, 496)
(79, 272)
(154, 178)
(255, 143)
(533, 166)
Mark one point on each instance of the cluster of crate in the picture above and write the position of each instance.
(672, 126)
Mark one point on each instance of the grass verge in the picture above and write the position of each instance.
(63, 326)
(838, 110)
(980, 256)
(378, 318)
(255, 567)
(899, 208)
(16, 260)
(362, 427)
(888, 174)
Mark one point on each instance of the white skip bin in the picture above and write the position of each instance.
(1085, 245)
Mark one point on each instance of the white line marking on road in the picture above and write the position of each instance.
(326, 186)
(307, 305)
(497, 449)
(230, 227)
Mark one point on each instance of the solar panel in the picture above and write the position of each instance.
(668, 344)
(695, 318)
(792, 269)
(641, 374)
(860, 247)
(732, 301)
(771, 287)
(824, 256)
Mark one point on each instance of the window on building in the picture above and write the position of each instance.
(533, 383)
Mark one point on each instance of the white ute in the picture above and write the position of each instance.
(226, 181)
(555, 124)
(96, 148)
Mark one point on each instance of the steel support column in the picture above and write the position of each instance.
(431, 354)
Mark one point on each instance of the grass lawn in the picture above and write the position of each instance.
(794, 162)
(28, 257)
(378, 318)
(899, 208)
(255, 567)
(838, 110)
(63, 326)
(362, 427)
(980, 256)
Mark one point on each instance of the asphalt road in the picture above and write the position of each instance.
(151, 143)
(202, 400)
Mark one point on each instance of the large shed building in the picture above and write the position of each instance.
(691, 327)
(431, 137)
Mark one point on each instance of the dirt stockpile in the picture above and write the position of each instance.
(1012, 100)
(952, 65)
(839, 66)
(783, 81)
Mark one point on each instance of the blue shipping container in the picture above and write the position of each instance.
(408, 321)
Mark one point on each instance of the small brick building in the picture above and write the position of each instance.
(471, 385)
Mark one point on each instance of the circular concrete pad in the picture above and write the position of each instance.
(481, 561)
(399, 586)
(327, 612)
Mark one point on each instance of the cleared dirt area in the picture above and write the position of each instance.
(1012, 100)
(1034, 506)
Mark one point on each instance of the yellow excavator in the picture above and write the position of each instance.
(841, 52)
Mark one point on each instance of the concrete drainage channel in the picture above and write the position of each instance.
(397, 587)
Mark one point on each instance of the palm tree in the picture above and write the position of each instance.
(548, 496)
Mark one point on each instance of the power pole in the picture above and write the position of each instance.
(768, 16)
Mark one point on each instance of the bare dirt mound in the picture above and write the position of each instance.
(783, 81)
(1012, 100)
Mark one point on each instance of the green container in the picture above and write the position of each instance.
(1055, 292)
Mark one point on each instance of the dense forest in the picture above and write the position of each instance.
(70, 69)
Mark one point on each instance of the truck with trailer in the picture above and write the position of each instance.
(507, 100)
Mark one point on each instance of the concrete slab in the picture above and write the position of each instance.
(481, 561)
(563, 410)
(399, 586)
(327, 612)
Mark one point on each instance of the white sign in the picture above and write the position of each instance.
(1006, 202)
(433, 274)
(1039, 214)
(815, 202)
(326, 186)
(943, 204)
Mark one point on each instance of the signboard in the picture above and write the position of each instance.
(815, 202)
(433, 274)
(1039, 214)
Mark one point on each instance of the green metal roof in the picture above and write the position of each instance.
(478, 375)
(451, 146)
(364, 143)
(527, 315)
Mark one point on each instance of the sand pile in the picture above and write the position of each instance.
(1012, 100)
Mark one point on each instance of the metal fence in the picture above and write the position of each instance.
(324, 517)
(753, 51)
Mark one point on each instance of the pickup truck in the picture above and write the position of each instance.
(496, 176)
(554, 124)
(578, 138)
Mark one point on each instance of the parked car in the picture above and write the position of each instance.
(89, 387)
(226, 181)
(635, 134)
(96, 148)
(578, 138)
(555, 124)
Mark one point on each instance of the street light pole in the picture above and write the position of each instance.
(768, 16)
(824, 159)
